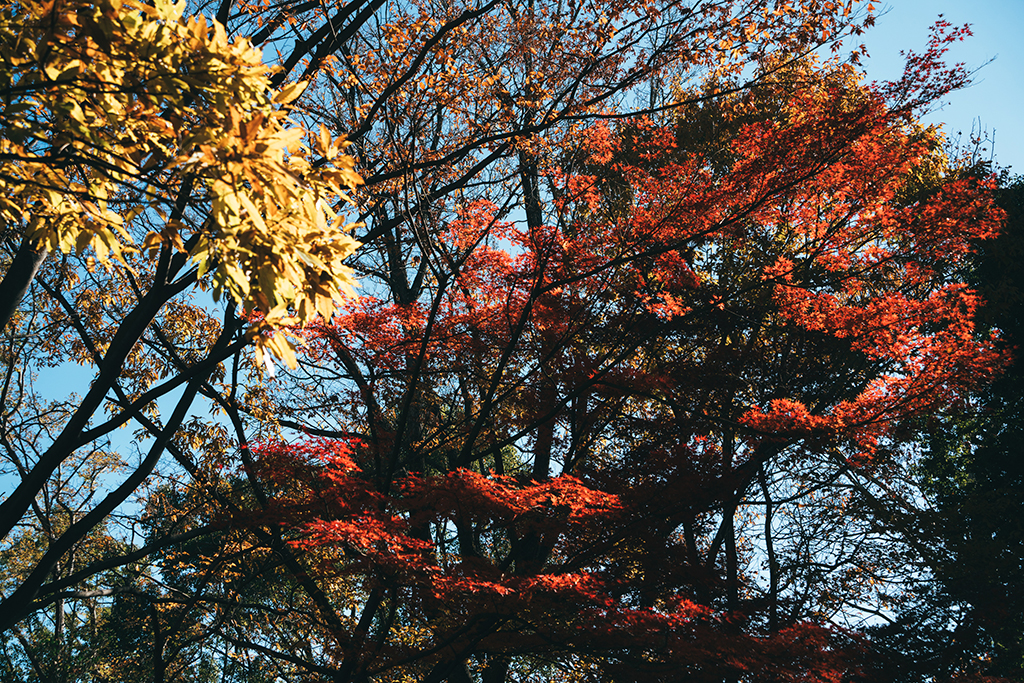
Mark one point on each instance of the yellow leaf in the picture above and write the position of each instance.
(253, 212)
(82, 241)
(290, 92)
(324, 142)
(152, 243)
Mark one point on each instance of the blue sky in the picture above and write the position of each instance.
(996, 99)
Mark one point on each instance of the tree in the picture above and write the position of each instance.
(585, 339)
(970, 482)
(688, 333)
(130, 125)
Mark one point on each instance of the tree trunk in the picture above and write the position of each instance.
(19, 278)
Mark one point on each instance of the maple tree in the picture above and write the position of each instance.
(689, 335)
(642, 285)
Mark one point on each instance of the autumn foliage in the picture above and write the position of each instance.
(655, 306)
(545, 454)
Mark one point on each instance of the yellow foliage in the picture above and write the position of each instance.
(116, 109)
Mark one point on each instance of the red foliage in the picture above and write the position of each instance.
(548, 423)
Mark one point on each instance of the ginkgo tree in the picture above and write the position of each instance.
(641, 282)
